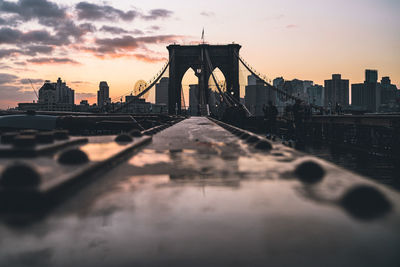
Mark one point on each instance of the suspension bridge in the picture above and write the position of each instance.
(204, 59)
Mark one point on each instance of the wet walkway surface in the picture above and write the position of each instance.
(200, 196)
(382, 169)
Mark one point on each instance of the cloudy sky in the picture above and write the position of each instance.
(122, 41)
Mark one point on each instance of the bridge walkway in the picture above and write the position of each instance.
(200, 196)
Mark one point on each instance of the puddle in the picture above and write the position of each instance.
(150, 157)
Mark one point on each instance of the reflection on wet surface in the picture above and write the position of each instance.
(189, 199)
(150, 157)
(382, 169)
(99, 152)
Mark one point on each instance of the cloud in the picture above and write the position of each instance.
(157, 14)
(14, 36)
(7, 78)
(127, 42)
(113, 30)
(207, 14)
(79, 82)
(149, 59)
(20, 63)
(32, 50)
(155, 28)
(11, 93)
(89, 11)
(39, 49)
(60, 33)
(291, 26)
(4, 67)
(28, 81)
(42, 10)
(118, 30)
(53, 60)
(70, 29)
(8, 52)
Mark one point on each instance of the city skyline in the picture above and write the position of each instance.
(121, 43)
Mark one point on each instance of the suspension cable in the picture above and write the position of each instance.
(287, 95)
(228, 98)
(214, 78)
(152, 82)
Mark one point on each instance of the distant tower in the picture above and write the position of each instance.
(193, 99)
(336, 91)
(162, 91)
(367, 95)
(257, 95)
(371, 76)
(103, 95)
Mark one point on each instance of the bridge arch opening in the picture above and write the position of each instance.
(214, 97)
(190, 91)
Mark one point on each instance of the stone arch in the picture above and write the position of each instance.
(184, 57)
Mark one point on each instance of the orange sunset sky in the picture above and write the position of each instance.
(121, 41)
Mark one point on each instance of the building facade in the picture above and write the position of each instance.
(103, 95)
(388, 91)
(315, 94)
(53, 97)
(367, 95)
(162, 91)
(257, 96)
(193, 99)
(336, 91)
(305, 90)
(64, 94)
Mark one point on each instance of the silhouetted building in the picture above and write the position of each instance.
(84, 103)
(52, 97)
(281, 101)
(257, 96)
(64, 94)
(315, 95)
(367, 95)
(56, 93)
(388, 91)
(336, 91)
(103, 95)
(299, 88)
(304, 90)
(162, 91)
(193, 99)
(136, 105)
(371, 76)
(47, 93)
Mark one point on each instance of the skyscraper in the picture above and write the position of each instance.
(103, 95)
(315, 95)
(367, 95)
(64, 94)
(162, 91)
(193, 99)
(371, 76)
(336, 91)
(388, 91)
(257, 95)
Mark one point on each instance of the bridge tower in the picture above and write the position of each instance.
(183, 57)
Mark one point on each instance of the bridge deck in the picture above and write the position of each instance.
(200, 196)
